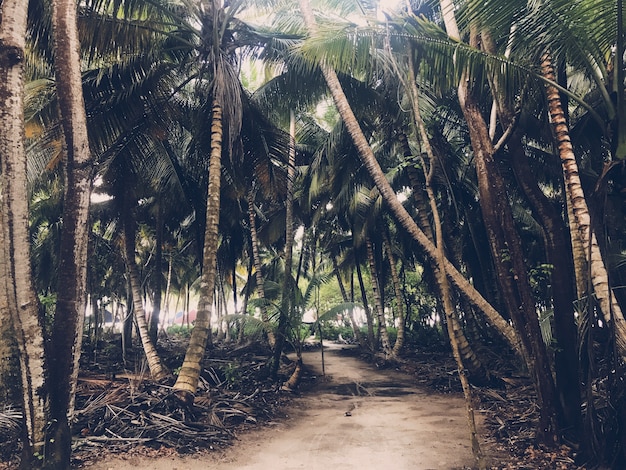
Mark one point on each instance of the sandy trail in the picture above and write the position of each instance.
(357, 417)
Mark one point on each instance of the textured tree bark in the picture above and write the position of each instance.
(258, 269)
(506, 249)
(380, 308)
(187, 381)
(581, 222)
(287, 298)
(18, 290)
(157, 370)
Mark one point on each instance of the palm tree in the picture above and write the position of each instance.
(18, 299)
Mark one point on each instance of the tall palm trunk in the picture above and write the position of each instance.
(258, 269)
(505, 246)
(380, 308)
(157, 370)
(581, 223)
(389, 196)
(288, 289)
(67, 329)
(187, 381)
(16, 278)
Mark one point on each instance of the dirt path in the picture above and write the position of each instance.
(356, 418)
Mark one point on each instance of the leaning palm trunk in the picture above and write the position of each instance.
(67, 329)
(389, 196)
(187, 381)
(157, 370)
(611, 310)
(260, 283)
(466, 354)
(15, 277)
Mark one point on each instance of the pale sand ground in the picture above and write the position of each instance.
(391, 425)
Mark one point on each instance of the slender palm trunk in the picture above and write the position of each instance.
(258, 269)
(389, 196)
(157, 283)
(368, 313)
(157, 370)
(187, 381)
(397, 289)
(380, 308)
(16, 278)
(607, 302)
(288, 289)
(69, 314)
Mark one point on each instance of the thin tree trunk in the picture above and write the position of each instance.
(581, 222)
(380, 308)
(258, 270)
(395, 280)
(157, 370)
(187, 381)
(288, 289)
(16, 276)
(344, 296)
(71, 289)
(157, 284)
(368, 313)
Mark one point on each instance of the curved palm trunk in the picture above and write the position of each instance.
(157, 370)
(607, 302)
(187, 381)
(389, 196)
(380, 308)
(15, 278)
(467, 358)
(397, 289)
(254, 240)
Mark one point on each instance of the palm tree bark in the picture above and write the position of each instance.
(368, 313)
(380, 308)
(67, 329)
(157, 370)
(397, 289)
(288, 289)
(581, 222)
(258, 269)
(16, 282)
(389, 196)
(505, 246)
(187, 381)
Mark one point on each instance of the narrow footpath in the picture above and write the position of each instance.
(356, 417)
